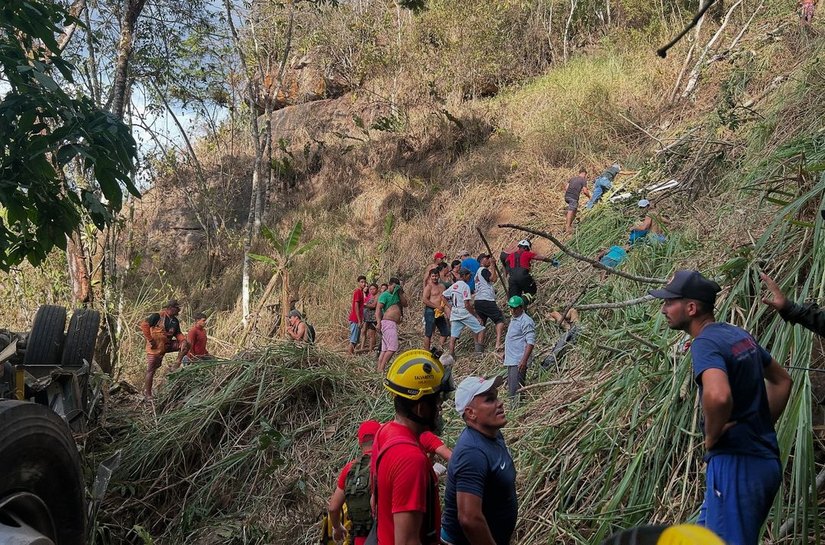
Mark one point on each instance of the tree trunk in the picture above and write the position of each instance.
(284, 299)
(128, 23)
(567, 25)
(78, 271)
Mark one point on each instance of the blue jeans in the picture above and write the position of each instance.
(601, 185)
(740, 491)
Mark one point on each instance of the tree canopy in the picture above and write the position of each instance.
(62, 157)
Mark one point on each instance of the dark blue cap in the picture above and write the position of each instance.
(689, 285)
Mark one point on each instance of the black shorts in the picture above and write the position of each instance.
(488, 310)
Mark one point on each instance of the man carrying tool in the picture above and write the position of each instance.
(354, 490)
(575, 187)
(163, 335)
(808, 315)
(485, 298)
(405, 486)
(743, 391)
(480, 503)
(517, 264)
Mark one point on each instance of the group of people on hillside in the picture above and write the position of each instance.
(743, 391)
(456, 296)
(163, 335)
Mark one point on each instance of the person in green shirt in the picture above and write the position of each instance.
(388, 314)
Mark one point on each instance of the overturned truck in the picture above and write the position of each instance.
(46, 393)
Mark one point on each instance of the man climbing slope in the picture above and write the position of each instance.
(516, 263)
(603, 183)
(163, 335)
(575, 187)
(743, 391)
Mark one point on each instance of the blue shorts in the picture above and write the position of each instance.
(354, 333)
(740, 491)
(470, 321)
(431, 323)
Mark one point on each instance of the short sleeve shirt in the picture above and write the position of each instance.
(520, 333)
(520, 259)
(472, 265)
(356, 311)
(170, 324)
(404, 480)
(574, 188)
(388, 299)
(430, 442)
(197, 340)
(456, 295)
(342, 477)
(481, 466)
(733, 350)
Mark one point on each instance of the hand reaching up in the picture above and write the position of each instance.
(776, 298)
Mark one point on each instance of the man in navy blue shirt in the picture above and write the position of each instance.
(743, 391)
(480, 506)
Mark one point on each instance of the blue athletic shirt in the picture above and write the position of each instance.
(733, 350)
(483, 467)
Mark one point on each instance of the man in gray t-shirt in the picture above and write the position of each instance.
(575, 187)
(518, 345)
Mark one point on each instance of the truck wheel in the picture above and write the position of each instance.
(80, 338)
(46, 338)
(42, 487)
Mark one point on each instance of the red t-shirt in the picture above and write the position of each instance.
(404, 478)
(430, 441)
(524, 259)
(356, 311)
(342, 484)
(197, 340)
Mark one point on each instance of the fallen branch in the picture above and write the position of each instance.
(580, 257)
(620, 304)
(693, 80)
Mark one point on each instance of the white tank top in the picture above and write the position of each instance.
(484, 290)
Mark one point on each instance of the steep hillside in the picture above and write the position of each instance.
(246, 451)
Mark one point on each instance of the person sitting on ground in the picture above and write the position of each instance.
(353, 488)
(388, 312)
(163, 335)
(370, 323)
(603, 184)
(516, 261)
(297, 329)
(485, 298)
(611, 257)
(434, 315)
(575, 187)
(645, 226)
(197, 340)
(472, 265)
(806, 10)
(356, 313)
(808, 315)
(461, 312)
(569, 319)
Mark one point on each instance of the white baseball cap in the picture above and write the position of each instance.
(471, 387)
(524, 242)
(644, 203)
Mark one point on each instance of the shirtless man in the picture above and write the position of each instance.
(434, 310)
(438, 257)
(388, 314)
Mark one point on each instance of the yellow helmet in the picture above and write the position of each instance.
(414, 374)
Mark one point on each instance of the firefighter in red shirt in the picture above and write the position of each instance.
(404, 483)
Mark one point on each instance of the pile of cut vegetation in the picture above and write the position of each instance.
(240, 451)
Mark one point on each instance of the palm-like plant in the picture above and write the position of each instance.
(286, 250)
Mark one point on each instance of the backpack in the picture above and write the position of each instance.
(310, 332)
(357, 494)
